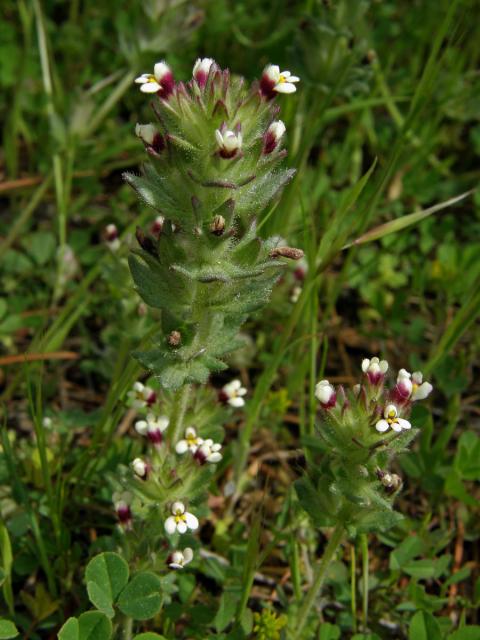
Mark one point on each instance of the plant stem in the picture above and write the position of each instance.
(318, 578)
(353, 586)
(127, 631)
(179, 409)
(364, 545)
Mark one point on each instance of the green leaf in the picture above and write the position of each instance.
(470, 632)
(329, 632)
(405, 221)
(106, 576)
(94, 625)
(423, 626)
(141, 598)
(7, 630)
(70, 630)
(149, 635)
(6, 560)
(407, 550)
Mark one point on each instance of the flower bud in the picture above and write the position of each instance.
(217, 226)
(287, 252)
(201, 69)
(112, 237)
(151, 138)
(229, 142)
(325, 393)
(374, 369)
(273, 136)
(175, 338)
(157, 226)
(140, 468)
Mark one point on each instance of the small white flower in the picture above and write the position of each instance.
(121, 504)
(296, 293)
(391, 420)
(273, 136)
(180, 520)
(47, 422)
(325, 392)
(232, 394)
(161, 81)
(141, 396)
(140, 467)
(208, 451)
(275, 81)
(152, 428)
(201, 69)
(111, 237)
(375, 369)
(420, 389)
(178, 559)
(191, 442)
(229, 143)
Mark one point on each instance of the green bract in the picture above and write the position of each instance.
(208, 268)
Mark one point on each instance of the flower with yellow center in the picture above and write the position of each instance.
(180, 520)
(275, 81)
(391, 420)
(191, 442)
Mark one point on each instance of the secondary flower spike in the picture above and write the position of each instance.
(160, 82)
(180, 520)
(274, 81)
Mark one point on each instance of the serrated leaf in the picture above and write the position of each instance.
(141, 598)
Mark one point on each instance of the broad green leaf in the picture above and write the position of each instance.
(470, 632)
(329, 632)
(141, 598)
(8, 630)
(423, 626)
(405, 221)
(70, 630)
(94, 625)
(106, 576)
(407, 550)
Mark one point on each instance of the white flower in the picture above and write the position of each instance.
(273, 136)
(232, 394)
(121, 503)
(375, 369)
(150, 136)
(111, 237)
(47, 422)
(152, 428)
(178, 559)
(296, 293)
(208, 451)
(190, 443)
(391, 420)
(275, 81)
(161, 81)
(141, 396)
(325, 392)
(229, 143)
(410, 386)
(180, 520)
(140, 467)
(201, 69)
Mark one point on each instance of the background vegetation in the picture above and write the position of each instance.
(387, 86)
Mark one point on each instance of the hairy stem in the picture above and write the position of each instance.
(318, 579)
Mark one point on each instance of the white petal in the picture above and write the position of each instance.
(236, 402)
(150, 87)
(242, 391)
(396, 426)
(219, 137)
(182, 527)
(178, 507)
(170, 525)
(404, 424)
(141, 79)
(383, 366)
(423, 391)
(187, 555)
(214, 457)
(285, 87)
(174, 565)
(192, 521)
(365, 364)
(177, 557)
(293, 79)
(235, 384)
(390, 409)
(138, 386)
(162, 423)
(272, 71)
(382, 425)
(141, 427)
(181, 447)
(160, 70)
(190, 431)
